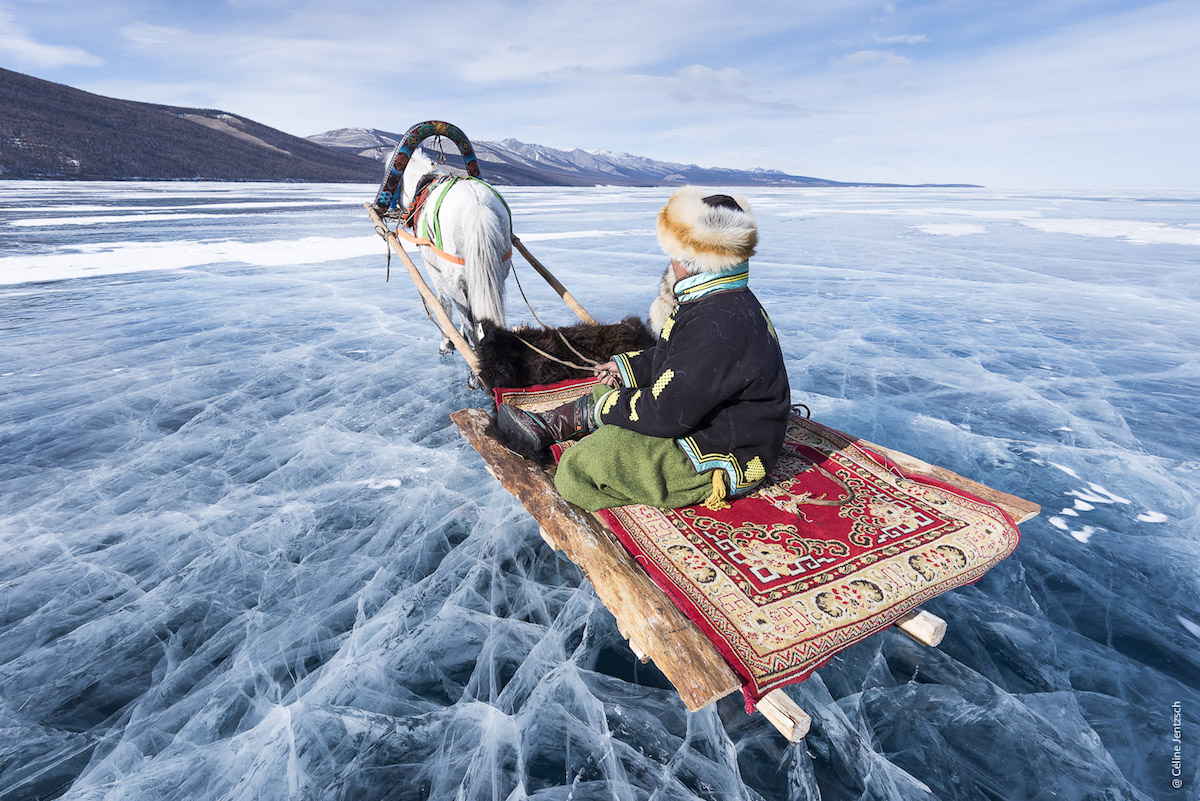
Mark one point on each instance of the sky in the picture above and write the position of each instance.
(1052, 94)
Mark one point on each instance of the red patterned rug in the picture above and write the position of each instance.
(835, 546)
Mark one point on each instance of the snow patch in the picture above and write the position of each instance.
(382, 483)
(1084, 534)
(1142, 233)
(114, 258)
(1069, 471)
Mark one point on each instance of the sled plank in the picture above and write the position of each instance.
(785, 715)
(655, 627)
(923, 626)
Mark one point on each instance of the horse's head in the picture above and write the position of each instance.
(418, 165)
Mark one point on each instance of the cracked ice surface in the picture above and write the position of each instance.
(244, 554)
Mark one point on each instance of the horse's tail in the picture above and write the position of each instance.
(486, 239)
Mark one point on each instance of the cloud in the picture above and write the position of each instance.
(868, 58)
(904, 38)
(712, 92)
(1106, 101)
(20, 46)
(153, 37)
(1009, 95)
(727, 77)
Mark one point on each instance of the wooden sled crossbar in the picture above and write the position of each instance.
(654, 626)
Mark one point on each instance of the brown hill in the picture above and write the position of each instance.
(48, 130)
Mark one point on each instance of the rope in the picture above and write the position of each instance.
(563, 362)
(592, 364)
(429, 314)
(383, 233)
(566, 342)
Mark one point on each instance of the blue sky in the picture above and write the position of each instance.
(1089, 94)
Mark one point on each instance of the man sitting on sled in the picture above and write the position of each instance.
(701, 416)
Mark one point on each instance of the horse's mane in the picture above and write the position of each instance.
(418, 166)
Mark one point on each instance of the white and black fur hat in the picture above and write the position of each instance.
(704, 233)
(707, 233)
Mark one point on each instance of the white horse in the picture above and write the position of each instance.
(476, 228)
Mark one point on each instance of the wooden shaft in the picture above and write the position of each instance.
(924, 627)
(653, 624)
(445, 324)
(785, 714)
(580, 312)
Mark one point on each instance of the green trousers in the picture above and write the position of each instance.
(616, 467)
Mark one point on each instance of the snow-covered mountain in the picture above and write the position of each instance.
(511, 161)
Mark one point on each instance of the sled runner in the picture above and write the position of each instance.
(845, 538)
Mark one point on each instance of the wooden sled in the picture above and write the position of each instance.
(654, 626)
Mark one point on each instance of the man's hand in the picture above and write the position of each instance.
(609, 376)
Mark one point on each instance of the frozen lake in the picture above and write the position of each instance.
(245, 555)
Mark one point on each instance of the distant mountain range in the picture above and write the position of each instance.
(48, 130)
(513, 162)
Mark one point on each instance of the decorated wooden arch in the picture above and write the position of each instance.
(389, 191)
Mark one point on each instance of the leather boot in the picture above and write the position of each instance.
(539, 430)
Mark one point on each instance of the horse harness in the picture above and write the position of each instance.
(431, 236)
(408, 216)
(436, 188)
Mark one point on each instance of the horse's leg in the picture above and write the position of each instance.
(466, 322)
(443, 296)
(467, 325)
(447, 345)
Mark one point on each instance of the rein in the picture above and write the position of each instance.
(594, 364)
(563, 362)
(407, 218)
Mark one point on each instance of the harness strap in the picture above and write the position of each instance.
(431, 226)
(408, 218)
(422, 241)
(433, 217)
(565, 341)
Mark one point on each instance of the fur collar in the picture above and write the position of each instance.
(664, 305)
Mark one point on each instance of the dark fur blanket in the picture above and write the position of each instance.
(505, 361)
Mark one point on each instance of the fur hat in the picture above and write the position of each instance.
(707, 233)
